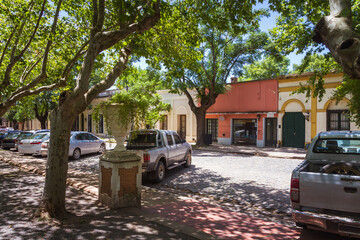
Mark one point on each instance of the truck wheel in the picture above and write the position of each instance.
(160, 172)
(340, 168)
(188, 160)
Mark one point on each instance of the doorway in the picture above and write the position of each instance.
(293, 130)
(182, 126)
(270, 132)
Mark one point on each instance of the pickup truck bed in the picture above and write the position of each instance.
(325, 188)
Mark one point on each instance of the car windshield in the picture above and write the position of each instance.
(39, 136)
(337, 145)
(12, 135)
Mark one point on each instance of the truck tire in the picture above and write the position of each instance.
(340, 168)
(160, 172)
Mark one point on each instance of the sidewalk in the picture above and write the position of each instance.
(283, 152)
(162, 216)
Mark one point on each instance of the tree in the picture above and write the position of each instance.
(31, 50)
(317, 63)
(141, 86)
(310, 26)
(314, 26)
(269, 67)
(43, 104)
(45, 49)
(222, 37)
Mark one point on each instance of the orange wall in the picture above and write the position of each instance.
(253, 96)
(224, 126)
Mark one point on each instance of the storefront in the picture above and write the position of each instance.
(244, 131)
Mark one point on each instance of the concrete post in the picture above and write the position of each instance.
(120, 179)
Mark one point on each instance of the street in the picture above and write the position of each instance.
(252, 185)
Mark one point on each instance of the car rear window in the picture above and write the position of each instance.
(337, 145)
(39, 136)
(12, 135)
(143, 139)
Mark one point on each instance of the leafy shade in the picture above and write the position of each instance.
(139, 103)
(269, 67)
(319, 65)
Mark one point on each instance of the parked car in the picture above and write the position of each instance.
(32, 145)
(160, 150)
(80, 143)
(9, 140)
(325, 188)
(27, 134)
(4, 132)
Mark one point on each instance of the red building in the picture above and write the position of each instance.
(246, 114)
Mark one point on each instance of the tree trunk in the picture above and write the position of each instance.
(200, 130)
(337, 33)
(53, 201)
(42, 121)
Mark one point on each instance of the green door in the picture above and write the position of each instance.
(293, 130)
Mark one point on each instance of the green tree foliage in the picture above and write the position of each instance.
(80, 46)
(270, 67)
(304, 27)
(221, 37)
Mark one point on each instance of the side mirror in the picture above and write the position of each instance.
(183, 141)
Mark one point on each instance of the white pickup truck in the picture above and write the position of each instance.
(160, 150)
(325, 188)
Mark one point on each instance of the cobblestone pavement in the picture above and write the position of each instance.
(256, 185)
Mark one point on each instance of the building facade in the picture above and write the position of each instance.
(180, 118)
(246, 114)
(300, 118)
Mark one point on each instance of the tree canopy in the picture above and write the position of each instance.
(269, 67)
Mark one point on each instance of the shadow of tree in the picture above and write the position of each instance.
(20, 196)
(246, 195)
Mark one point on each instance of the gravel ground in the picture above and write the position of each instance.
(257, 185)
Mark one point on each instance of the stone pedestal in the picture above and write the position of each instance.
(120, 179)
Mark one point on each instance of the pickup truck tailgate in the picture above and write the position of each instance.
(330, 191)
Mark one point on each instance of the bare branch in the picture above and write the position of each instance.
(5, 106)
(53, 28)
(34, 32)
(108, 39)
(7, 45)
(119, 67)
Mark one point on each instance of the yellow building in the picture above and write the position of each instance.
(300, 118)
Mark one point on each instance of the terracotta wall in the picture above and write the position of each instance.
(252, 96)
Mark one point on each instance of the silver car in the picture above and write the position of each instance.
(80, 143)
(32, 145)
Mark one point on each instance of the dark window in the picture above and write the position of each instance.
(89, 123)
(164, 123)
(212, 128)
(338, 120)
(177, 139)
(169, 139)
(244, 131)
(82, 122)
(101, 124)
(182, 130)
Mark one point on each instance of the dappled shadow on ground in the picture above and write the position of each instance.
(222, 223)
(20, 196)
(243, 194)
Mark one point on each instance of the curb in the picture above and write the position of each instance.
(260, 154)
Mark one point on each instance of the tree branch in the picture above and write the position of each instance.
(110, 78)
